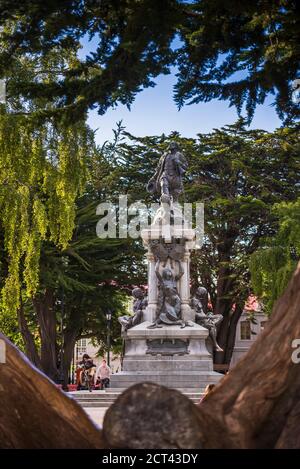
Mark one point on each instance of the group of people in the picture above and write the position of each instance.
(96, 376)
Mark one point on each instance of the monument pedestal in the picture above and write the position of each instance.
(167, 353)
(168, 234)
(170, 355)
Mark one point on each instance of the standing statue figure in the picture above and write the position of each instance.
(204, 318)
(138, 305)
(169, 302)
(167, 179)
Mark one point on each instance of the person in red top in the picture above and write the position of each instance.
(85, 364)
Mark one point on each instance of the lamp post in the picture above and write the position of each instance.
(108, 321)
(61, 368)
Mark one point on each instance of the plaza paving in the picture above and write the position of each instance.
(96, 414)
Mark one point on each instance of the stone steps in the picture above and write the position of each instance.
(172, 379)
(107, 397)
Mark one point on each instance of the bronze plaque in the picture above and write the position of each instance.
(167, 347)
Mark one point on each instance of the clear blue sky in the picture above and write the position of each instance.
(154, 112)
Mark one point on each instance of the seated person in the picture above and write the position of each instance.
(85, 364)
(103, 373)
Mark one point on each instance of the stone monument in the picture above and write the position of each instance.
(165, 338)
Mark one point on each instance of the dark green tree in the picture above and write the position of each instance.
(228, 50)
(241, 52)
(239, 175)
(134, 39)
(77, 286)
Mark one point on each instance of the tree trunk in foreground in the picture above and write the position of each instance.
(255, 406)
(257, 401)
(35, 414)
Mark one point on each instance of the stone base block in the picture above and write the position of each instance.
(167, 364)
(142, 341)
(171, 356)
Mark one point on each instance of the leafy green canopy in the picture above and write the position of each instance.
(91, 276)
(228, 49)
(240, 51)
(240, 176)
(274, 263)
(42, 170)
(134, 40)
(77, 285)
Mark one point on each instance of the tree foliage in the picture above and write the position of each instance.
(77, 286)
(274, 263)
(239, 175)
(227, 50)
(41, 173)
(240, 52)
(43, 169)
(133, 47)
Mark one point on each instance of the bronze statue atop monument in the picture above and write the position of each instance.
(167, 179)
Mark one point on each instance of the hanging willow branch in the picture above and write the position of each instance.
(42, 170)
